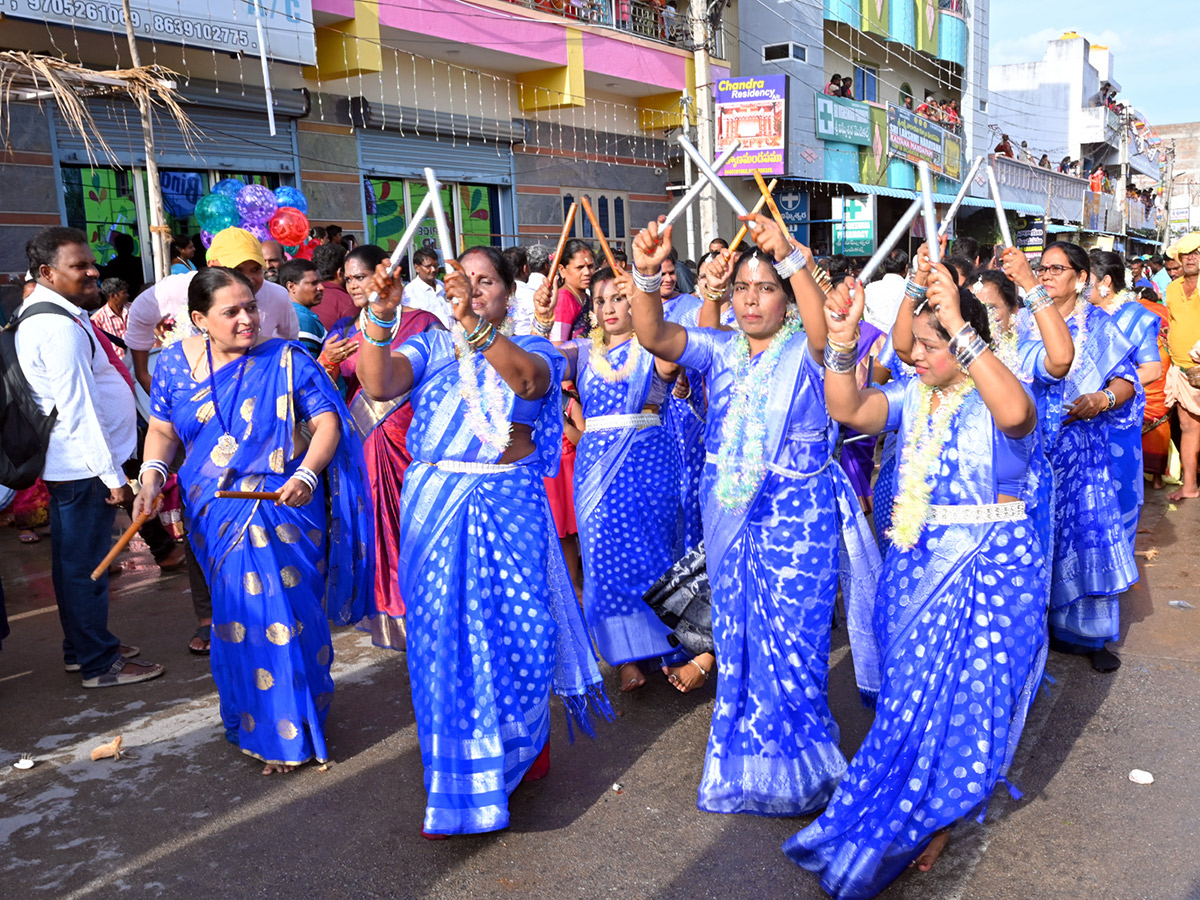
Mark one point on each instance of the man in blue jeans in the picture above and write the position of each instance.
(94, 433)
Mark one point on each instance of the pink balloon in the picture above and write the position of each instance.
(289, 226)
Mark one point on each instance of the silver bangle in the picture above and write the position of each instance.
(647, 284)
(841, 362)
(541, 328)
(914, 291)
(790, 264)
(967, 346)
(153, 465)
(1038, 299)
(306, 476)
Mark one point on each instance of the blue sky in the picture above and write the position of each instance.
(1154, 53)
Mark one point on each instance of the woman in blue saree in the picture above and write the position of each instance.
(278, 571)
(1140, 327)
(779, 516)
(1093, 562)
(492, 619)
(626, 469)
(959, 633)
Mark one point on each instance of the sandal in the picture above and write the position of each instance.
(29, 537)
(203, 634)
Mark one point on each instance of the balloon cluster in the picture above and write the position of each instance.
(280, 214)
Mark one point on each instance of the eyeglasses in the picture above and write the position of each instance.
(1053, 270)
(1190, 253)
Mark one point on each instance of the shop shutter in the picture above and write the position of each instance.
(392, 155)
(227, 139)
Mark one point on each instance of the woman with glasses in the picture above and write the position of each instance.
(383, 428)
(1093, 563)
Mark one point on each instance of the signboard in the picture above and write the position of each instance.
(843, 120)
(753, 111)
(917, 139)
(854, 228)
(226, 25)
(873, 161)
(1030, 236)
(793, 205)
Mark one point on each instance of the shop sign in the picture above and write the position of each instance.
(847, 121)
(854, 228)
(1030, 236)
(228, 26)
(753, 110)
(793, 206)
(915, 138)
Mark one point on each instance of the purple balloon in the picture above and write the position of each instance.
(206, 238)
(259, 230)
(256, 203)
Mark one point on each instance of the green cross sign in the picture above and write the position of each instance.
(825, 114)
(842, 120)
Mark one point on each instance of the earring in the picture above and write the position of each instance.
(1103, 292)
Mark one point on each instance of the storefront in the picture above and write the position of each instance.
(476, 173)
(106, 193)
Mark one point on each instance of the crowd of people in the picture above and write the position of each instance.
(521, 465)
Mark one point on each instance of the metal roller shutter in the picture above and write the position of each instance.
(392, 155)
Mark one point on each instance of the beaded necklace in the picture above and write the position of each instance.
(598, 358)
(923, 446)
(740, 464)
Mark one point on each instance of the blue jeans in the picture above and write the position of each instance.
(81, 533)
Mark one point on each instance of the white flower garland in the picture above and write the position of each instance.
(922, 453)
(486, 413)
(598, 358)
(1004, 340)
(1079, 316)
(1118, 301)
(740, 464)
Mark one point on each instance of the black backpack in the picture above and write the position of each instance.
(24, 428)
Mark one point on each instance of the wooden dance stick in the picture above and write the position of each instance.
(958, 198)
(121, 544)
(766, 189)
(762, 201)
(562, 242)
(931, 222)
(248, 495)
(1001, 215)
(693, 192)
(405, 239)
(587, 208)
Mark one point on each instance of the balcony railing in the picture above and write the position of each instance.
(1100, 125)
(958, 7)
(1060, 195)
(646, 20)
(1138, 217)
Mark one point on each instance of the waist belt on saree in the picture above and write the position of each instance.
(613, 423)
(976, 514)
(475, 468)
(780, 470)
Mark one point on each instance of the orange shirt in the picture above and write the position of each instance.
(1183, 310)
(1156, 397)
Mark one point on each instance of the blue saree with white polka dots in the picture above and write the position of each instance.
(960, 621)
(278, 574)
(493, 622)
(683, 417)
(1093, 556)
(626, 505)
(774, 567)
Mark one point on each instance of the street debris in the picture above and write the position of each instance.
(1147, 554)
(1180, 604)
(112, 748)
(1138, 776)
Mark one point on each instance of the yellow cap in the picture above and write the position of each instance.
(234, 246)
(1189, 243)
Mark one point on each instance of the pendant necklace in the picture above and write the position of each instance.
(227, 444)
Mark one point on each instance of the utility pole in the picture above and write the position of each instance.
(704, 105)
(1168, 192)
(159, 232)
(1121, 192)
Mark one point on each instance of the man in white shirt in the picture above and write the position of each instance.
(166, 301)
(522, 298)
(882, 298)
(425, 291)
(94, 434)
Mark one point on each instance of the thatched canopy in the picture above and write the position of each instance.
(36, 78)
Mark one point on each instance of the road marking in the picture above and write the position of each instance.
(32, 612)
(18, 675)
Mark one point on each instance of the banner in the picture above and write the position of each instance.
(847, 121)
(854, 232)
(753, 111)
(225, 25)
(793, 206)
(915, 138)
(1030, 236)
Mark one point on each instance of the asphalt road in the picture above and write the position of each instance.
(187, 816)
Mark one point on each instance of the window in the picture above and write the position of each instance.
(609, 207)
(100, 202)
(866, 83)
(779, 52)
(906, 95)
(982, 105)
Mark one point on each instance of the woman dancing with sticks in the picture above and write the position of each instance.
(960, 615)
(493, 622)
(278, 571)
(778, 516)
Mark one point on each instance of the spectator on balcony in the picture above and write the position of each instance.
(1044, 162)
(908, 102)
(1005, 147)
(848, 88)
(951, 115)
(669, 14)
(1065, 165)
(834, 88)
(929, 109)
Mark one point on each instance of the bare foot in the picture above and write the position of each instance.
(692, 674)
(271, 769)
(631, 677)
(1157, 483)
(1183, 493)
(932, 850)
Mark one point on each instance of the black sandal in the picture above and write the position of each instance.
(203, 633)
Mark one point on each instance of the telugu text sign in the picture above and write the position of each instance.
(753, 110)
(847, 121)
(218, 24)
